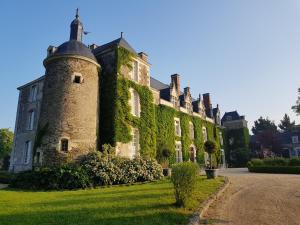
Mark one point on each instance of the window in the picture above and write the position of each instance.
(191, 129)
(178, 151)
(27, 152)
(64, 145)
(229, 118)
(221, 138)
(135, 70)
(204, 133)
(33, 93)
(188, 107)
(77, 79)
(135, 103)
(177, 127)
(30, 121)
(192, 154)
(174, 101)
(295, 140)
(135, 143)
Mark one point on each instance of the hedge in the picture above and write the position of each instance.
(275, 169)
(5, 177)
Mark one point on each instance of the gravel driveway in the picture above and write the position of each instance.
(257, 199)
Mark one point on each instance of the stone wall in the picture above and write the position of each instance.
(70, 110)
(22, 133)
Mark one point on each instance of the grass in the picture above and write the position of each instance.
(151, 203)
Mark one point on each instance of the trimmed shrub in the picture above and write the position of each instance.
(184, 177)
(294, 162)
(275, 169)
(275, 162)
(5, 177)
(64, 177)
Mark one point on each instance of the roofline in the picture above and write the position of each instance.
(31, 82)
(53, 57)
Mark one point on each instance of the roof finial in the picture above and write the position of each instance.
(121, 34)
(77, 13)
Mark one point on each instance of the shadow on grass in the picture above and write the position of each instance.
(94, 216)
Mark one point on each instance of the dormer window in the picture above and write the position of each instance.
(229, 118)
(174, 101)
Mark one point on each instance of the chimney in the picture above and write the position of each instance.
(186, 90)
(207, 101)
(175, 82)
(143, 56)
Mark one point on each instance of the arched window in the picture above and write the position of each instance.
(135, 103)
(204, 133)
(135, 144)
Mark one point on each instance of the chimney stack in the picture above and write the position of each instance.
(207, 101)
(175, 82)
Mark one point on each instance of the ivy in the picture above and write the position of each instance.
(155, 124)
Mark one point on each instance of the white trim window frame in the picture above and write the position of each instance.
(177, 127)
(135, 71)
(178, 151)
(135, 103)
(204, 133)
(135, 143)
(191, 131)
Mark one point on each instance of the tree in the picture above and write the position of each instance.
(262, 125)
(6, 142)
(286, 124)
(266, 132)
(296, 107)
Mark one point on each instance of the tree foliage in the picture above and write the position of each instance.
(286, 124)
(262, 125)
(296, 107)
(6, 142)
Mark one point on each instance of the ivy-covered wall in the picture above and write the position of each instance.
(155, 124)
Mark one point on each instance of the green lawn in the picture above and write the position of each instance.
(151, 203)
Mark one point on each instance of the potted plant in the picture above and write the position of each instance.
(210, 148)
(166, 153)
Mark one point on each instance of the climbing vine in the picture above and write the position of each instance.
(155, 124)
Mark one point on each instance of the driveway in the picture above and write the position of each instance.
(257, 199)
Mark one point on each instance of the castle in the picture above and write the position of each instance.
(90, 96)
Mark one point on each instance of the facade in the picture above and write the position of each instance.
(237, 139)
(90, 96)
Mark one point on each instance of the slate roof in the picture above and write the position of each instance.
(118, 42)
(234, 116)
(156, 84)
(74, 47)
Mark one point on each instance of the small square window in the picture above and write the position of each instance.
(64, 145)
(77, 79)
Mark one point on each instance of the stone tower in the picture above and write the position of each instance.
(68, 122)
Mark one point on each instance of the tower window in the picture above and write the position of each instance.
(64, 145)
(77, 79)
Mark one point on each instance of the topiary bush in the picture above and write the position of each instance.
(210, 147)
(184, 177)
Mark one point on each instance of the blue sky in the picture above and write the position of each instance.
(245, 53)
